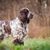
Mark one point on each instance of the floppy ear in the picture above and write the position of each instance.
(28, 20)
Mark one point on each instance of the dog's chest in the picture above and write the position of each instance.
(18, 25)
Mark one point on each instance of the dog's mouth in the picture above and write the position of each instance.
(30, 15)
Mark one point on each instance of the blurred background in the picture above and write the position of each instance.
(39, 26)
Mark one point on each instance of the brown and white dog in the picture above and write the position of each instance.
(18, 26)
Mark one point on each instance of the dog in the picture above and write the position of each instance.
(19, 25)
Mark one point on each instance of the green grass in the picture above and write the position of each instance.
(29, 44)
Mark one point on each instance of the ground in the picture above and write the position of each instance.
(29, 44)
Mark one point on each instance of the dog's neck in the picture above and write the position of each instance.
(23, 20)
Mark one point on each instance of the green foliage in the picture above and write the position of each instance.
(29, 44)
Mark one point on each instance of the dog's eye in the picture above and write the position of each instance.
(22, 14)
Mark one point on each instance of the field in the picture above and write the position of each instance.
(40, 40)
(29, 44)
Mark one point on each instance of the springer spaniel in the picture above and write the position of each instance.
(18, 26)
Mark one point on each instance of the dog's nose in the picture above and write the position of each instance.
(31, 16)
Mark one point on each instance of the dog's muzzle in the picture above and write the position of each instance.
(30, 15)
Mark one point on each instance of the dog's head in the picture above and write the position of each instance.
(25, 15)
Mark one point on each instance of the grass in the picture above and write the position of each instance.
(29, 44)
